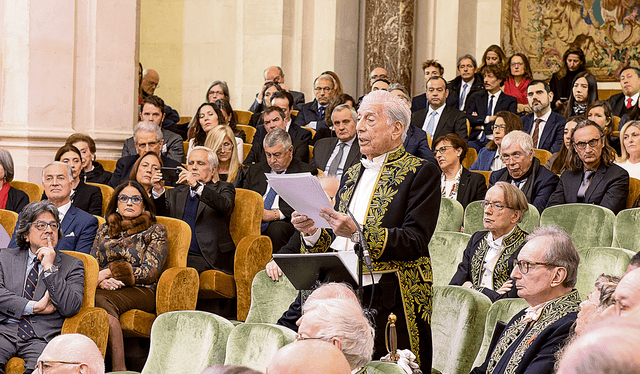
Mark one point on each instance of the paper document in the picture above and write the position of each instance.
(350, 261)
(304, 193)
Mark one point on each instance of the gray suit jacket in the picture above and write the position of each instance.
(324, 148)
(66, 288)
(172, 146)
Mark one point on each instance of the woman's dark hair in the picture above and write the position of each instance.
(146, 200)
(561, 163)
(266, 87)
(497, 50)
(511, 121)
(136, 166)
(224, 104)
(608, 155)
(563, 67)
(608, 113)
(592, 94)
(78, 137)
(29, 213)
(456, 141)
(338, 100)
(67, 148)
(200, 135)
(528, 74)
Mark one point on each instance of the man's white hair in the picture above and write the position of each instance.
(393, 108)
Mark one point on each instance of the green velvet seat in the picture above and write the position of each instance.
(626, 230)
(379, 367)
(254, 344)
(446, 249)
(502, 310)
(450, 216)
(457, 324)
(473, 218)
(600, 260)
(588, 225)
(269, 299)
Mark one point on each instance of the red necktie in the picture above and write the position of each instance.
(629, 103)
(536, 129)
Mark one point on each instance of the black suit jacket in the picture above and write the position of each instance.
(477, 109)
(256, 154)
(87, 198)
(472, 187)
(618, 106)
(16, 200)
(451, 121)
(455, 86)
(416, 144)
(323, 149)
(125, 164)
(609, 188)
(217, 202)
(309, 112)
(295, 131)
(553, 133)
(419, 102)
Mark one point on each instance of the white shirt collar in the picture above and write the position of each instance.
(544, 118)
(376, 163)
(439, 110)
(498, 241)
(62, 210)
(495, 97)
(634, 98)
(348, 142)
(288, 125)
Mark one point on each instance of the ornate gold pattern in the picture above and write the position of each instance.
(501, 270)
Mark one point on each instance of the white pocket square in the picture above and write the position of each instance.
(70, 234)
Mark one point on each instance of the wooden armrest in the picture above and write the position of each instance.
(177, 290)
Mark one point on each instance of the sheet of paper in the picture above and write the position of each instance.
(350, 261)
(304, 193)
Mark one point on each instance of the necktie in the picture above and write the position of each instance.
(25, 329)
(584, 185)
(462, 96)
(536, 130)
(431, 126)
(320, 113)
(268, 202)
(333, 168)
(490, 107)
(629, 103)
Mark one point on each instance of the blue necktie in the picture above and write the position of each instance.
(490, 107)
(462, 96)
(268, 202)
(25, 329)
(320, 113)
(431, 126)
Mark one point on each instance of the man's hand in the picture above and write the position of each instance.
(270, 215)
(187, 178)
(273, 271)
(44, 305)
(467, 284)
(46, 255)
(260, 97)
(341, 223)
(506, 287)
(303, 224)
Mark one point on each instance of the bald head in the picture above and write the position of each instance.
(310, 357)
(150, 81)
(627, 295)
(75, 348)
(274, 74)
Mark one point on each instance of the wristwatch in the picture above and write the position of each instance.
(355, 237)
(197, 186)
(51, 270)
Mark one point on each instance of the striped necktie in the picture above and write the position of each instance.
(25, 329)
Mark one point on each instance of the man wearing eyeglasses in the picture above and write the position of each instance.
(626, 297)
(545, 274)
(71, 353)
(39, 286)
(592, 177)
(312, 114)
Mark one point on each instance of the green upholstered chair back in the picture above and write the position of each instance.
(254, 344)
(457, 324)
(473, 218)
(269, 299)
(626, 230)
(446, 249)
(502, 310)
(588, 225)
(379, 367)
(600, 260)
(187, 342)
(451, 215)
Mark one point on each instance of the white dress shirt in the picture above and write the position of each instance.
(437, 119)
(544, 119)
(491, 258)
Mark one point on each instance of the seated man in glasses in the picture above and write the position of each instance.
(69, 351)
(488, 259)
(39, 286)
(592, 177)
(546, 272)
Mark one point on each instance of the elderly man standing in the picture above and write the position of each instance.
(39, 286)
(71, 350)
(395, 197)
(524, 171)
(546, 272)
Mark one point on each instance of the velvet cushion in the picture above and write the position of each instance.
(600, 260)
(136, 323)
(92, 322)
(457, 324)
(269, 299)
(626, 230)
(254, 344)
(446, 249)
(450, 216)
(474, 212)
(215, 284)
(15, 365)
(177, 290)
(588, 225)
(8, 220)
(379, 367)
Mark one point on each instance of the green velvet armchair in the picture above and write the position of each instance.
(269, 299)
(626, 230)
(588, 225)
(254, 344)
(446, 249)
(600, 260)
(451, 215)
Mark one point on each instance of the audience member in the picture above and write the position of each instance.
(230, 118)
(217, 90)
(560, 161)
(78, 227)
(592, 177)
(229, 168)
(519, 75)
(624, 102)
(269, 89)
(147, 171)
(130, 248)
(634, 263)
(274, 74)
(630, 159)
(457, 182)
(310, 357)
(71, 349)
(583, 92)
(490, 156)
(335, 155)
(283, 101)
(524, 171)
(276, 218)
(439, 119)
(378, 73)
(336, 82)
(431, 68)
(149, 82)
(83, 196)
(312, 114)
(599, 112)
(229, 369)
(465, 84)
(483, 105)
(544, 125)
(207, 117)
(546, 272)
(11, 198)
(626, 297)
(600, 298)
(152, 109)
(561, 84)
(40, 286)
(380, 84)
(337, 100)
(93, 171)
(488, 260)
(493, 55)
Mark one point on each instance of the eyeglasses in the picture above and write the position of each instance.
(137, 200)
(147, 145)
(300, 337)
(325, 89)
(376, 77)
(525, 266)
(442, 149)
(497, 206)
(515, 156)
(498, 127)
(46, 366)
(591, 143)
(219, 93)
(42, 225)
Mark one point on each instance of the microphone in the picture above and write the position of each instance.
(363, 242)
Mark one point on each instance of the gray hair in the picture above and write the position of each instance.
(521, 138)
(392, 107)
(344, 320)
(399, 87)
(7, 164)
(331, 290)
(29, 214)
(341, 107)
(275, 137)
(560, 251)
(225, 90)
(147, 126)
(473, 60)
(211, 156)
(69, 170)
(325, 77)
(77, 348)
(514, 198)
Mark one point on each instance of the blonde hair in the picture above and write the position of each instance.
(624, 154)
(214, 141)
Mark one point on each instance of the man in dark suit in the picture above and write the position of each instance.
(592, 178)
(483, 105)
(312, 114)
(335, 155)
(524, 171)
(147, 137)
(622, 103)
(465, 84)
(439, 119)
(39, 286)
(276, 218)
(78, 227)
(431, 68)
(276, 75)
(545, 126)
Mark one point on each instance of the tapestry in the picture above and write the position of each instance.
(608, 31)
